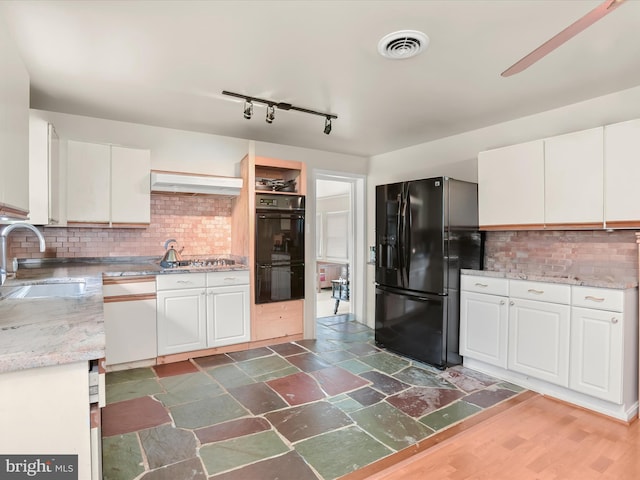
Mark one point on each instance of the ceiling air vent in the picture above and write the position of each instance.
(402, 44)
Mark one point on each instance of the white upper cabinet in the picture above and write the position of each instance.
(107, 184)
(622, 174)
(511, 185)
(44, 173)
(14, 131)
(130, 185)
(88, 182)
(574, 178)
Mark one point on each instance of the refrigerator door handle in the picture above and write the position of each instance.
(404, 252)
(398, 246)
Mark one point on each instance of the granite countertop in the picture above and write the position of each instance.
(40, 332)
(587, 281)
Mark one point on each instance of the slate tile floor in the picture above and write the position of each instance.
(314, 409)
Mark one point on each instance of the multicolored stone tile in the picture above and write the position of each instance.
(232, 429)
(384, 383)
(165, 444)
(449, 415)
(386, 362)
(290, 370)
(420, 377)
(286, 349)
(177, 368)
(249, 354)
(213, 360)
(466, 379)
(288, 466)
(121, 457)
(297, 389)
(237, 452)
(489, 396)
(132, 415)
(117, 392)
(308, 362)
(191, 469)
(258, 398)
(337, 453)
(230, 376)
(336, 380)
(390, 426)
(354, 366)
(207, 411)
(418, 401)
(298, 423)
(134, 374)
(367, 396)
(188, 388)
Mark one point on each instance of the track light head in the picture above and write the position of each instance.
(270, 114)
(327, 125)
(248, 109)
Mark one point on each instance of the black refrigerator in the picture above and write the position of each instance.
(426, 231)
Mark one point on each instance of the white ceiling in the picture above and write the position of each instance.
(166, 63)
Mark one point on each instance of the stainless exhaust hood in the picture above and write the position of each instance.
(177, 182)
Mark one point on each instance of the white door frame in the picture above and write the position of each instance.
(357, 250)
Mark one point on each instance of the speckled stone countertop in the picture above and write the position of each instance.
(39, 332)
(600, 281)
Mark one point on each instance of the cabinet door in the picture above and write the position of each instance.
(130, 185)
(88, 180)
(574, 171)
(539, 340)
(622, 172)
(597, 353)
(130, 331)
(228, 315)
(181, 320)
(483, 327)
(14, 129)
(511, 185)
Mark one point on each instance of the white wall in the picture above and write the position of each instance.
(456, 156)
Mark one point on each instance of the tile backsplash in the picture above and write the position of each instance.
(201, 224)
(564, 253)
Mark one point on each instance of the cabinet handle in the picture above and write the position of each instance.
(203, 292)
(614, 320)
(483, 285)
(229, 279)
(185, 282)
(594, 299)
(501, 302)
(511, 303)
(537, 292)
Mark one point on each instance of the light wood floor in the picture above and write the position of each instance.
(540, 439)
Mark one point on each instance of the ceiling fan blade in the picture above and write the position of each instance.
(572, 30)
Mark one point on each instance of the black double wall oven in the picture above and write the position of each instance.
(279, 248)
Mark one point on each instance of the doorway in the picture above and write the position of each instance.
(338, 241)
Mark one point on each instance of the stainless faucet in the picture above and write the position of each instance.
(4, 233)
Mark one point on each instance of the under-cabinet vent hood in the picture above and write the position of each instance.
(194, 183)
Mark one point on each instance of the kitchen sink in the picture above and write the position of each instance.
(43, 290)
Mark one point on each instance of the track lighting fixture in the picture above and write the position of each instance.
(270, 114)
(248, 109)
(327, 125)
(271, 106)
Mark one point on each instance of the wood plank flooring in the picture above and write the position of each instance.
(540, 439)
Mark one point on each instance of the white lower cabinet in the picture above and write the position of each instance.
(483, 320)
(202, 310)
(228, 315)
(604, 355)
(539, 340)
(577, 343)
(129, 319)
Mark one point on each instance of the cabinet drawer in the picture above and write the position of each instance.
(217, 279)
(598, 298)
(490, 285)
(118, 286)
(181, 280)
(544, 292)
